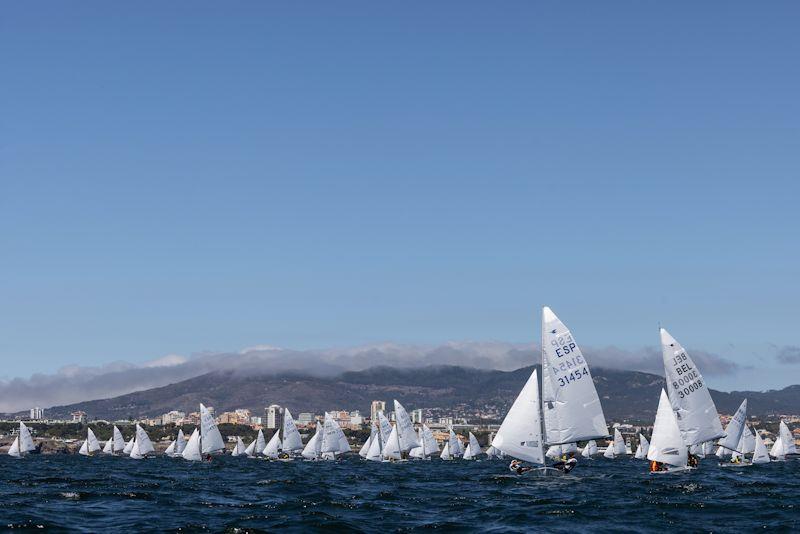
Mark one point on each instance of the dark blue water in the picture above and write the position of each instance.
(104, 493)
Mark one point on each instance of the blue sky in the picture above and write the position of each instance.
(188, 176)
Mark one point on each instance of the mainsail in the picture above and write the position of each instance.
(239, 448)
(520, 434)
(291, 436)
(641, 450)
(273, 448)
(590, 449)
(445, 455)
(180, 442)
(572, 410)
(91, 439)
(694, 408)
(406, 433)
(211, 439)
(25, 439)
(733, 432)
(260, 443)
(313, 448)
(192, 450)
(760, 454)
(666, 443)
(119, 441)
(145, 446)
(392, 450)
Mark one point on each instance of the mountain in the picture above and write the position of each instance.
(626, 395)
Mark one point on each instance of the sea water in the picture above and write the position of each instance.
(113, 493)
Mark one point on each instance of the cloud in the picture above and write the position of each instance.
(788, 355)
(77, 383)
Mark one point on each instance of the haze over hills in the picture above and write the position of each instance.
(626, 395)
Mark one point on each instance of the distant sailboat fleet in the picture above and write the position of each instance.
(540, 432)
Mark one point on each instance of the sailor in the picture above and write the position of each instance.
(567, 463)
(656, 467)
(516, 467)
(691, 460)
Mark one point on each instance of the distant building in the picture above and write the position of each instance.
(255, 420)
(356, 420)
(37, 414)
(78, 417)
(274, 415)
(375, 407)
(305, 418)
(172, 418)
(416, 416)
(244, 415)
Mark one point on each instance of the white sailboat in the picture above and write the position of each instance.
(690, 399)
(473, 449)
(90, 445)
(273, 447)
(250, 451)
(192, 450)
(23, 443)
(609, 452)
(429, 444)
(334, 441)
(784, 444)
(119, 441)
(142, 446)
(261, 443)
(760, 453)
(418, 453)
(128, 446)
(734, 429)
(210, 438)
(313, 449)
(180, 443)
(445, 454)
(239, 448)
(170, 450)
(456, 448)
(590, 449)
(746, 445)
(385, 427)
(392, 449)
(569, 403)
(291, 443)
(364, 450)
(642, 448)
(406, 433)
(108, 448)
(375, 452)
(666, 444)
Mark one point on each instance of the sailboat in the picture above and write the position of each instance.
(616, 447)
(760, 453)
(392, 450)
(385, 427)
(418, 453)
(108, 448)
(734, 430)
(428, 445)
(666, 444)
(313, 449)
(570, 409)
(456, 448)
(128, 446)
(642, 448)
(192, 450)
(784, 445)
(90, 445)
(116, 444)
(239, 448)
(405, 428)
(746, 445)
(333, 439)
(694, 408)
(590, 449)
(210, 438)
(256, 446)
(373, 434)
(445, 454)
(292, 443)
(176, 447)
(273, 447)
(23, 443)
(142, 446)
(473, 449)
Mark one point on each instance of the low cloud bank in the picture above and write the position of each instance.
(75, 383)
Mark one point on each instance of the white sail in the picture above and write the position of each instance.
(84, 450)
(572, 410)
(211, 439)
(787, 439)
(392, 450)
(313, 448)
(108, 448)
(239, 448)
(520, 434)
(609, 452)
(14, 450)
(695, 410)
(192, 450)
(619, 443)
(666, 444)
(722, 452)
(374, 453)
(385, 427)
(590, 449)
(91, 439)
(733, 432)
(456, 447)
(367, 444)
(493, 452)
(428, 441)
(416, 453)
(467, 453)
(330, 436)
(261, 443)
(25, 439)
(445, 455)
(143, 441)
(777, 449)
(760, 454)
(344, 445)
(273, 448)
(136, 454)
(119, 441)
(407, 435)
(553, 452)
(641, 450)
(747, 444)
(129, 446)
(170, 450)
(291, 436)
(474, 446)
(250, 451)
(180, 442)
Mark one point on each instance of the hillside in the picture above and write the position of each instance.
(626, 395)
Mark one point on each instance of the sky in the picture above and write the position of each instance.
(185, 177)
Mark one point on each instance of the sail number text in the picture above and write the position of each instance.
(688, 380)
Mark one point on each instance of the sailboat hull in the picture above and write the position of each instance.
(673, 470)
